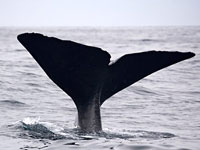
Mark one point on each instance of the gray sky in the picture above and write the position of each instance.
(99, 13)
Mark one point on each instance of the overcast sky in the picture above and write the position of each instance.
(99, 12)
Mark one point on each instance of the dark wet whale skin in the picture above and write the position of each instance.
(84, 73)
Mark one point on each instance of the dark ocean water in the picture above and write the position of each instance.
(162, 111)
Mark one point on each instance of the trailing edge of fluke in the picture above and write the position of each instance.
(84, 73)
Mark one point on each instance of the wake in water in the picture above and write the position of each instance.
(44, 135)
(34, 128)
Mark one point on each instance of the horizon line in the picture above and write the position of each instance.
(91, 26)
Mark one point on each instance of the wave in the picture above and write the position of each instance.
(133, 134)
(142, 90)
(20, 50)
(12, 103)
(33, 128)
(36, 129)
(49, 135)
(148, 40)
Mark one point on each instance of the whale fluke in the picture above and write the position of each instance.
(131, 68)
(85, 74)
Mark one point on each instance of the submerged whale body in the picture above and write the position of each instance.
(85, 74)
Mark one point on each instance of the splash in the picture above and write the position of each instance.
(30, 121)
(40, 130)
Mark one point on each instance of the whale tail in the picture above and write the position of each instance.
(131, 68)
(84, 73)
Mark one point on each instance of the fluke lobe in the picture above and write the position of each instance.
(84, 73)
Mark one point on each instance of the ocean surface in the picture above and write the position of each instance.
(160, 112)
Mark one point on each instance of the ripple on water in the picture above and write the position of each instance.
(52, 136)
(32, 127)
(35, 128)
